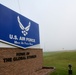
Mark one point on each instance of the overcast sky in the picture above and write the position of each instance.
(56, 19)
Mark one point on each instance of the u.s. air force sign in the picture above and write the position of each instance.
(16, 29)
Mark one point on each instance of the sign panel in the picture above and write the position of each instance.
(16, 29)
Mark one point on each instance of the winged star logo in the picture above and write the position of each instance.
(24, 29)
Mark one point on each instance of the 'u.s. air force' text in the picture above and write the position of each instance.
(22, 39)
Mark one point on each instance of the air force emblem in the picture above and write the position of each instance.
(24, 29)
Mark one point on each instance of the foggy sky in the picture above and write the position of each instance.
(56, 19)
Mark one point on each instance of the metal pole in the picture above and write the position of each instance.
(70, 69)
(19, 6)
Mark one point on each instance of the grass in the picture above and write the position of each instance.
(60, 61)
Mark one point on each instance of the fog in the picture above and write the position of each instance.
(56, 19)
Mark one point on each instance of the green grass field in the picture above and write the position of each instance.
(60, 61)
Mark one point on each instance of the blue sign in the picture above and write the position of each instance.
(16, 29)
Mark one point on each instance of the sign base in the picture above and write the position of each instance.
(16, 61)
